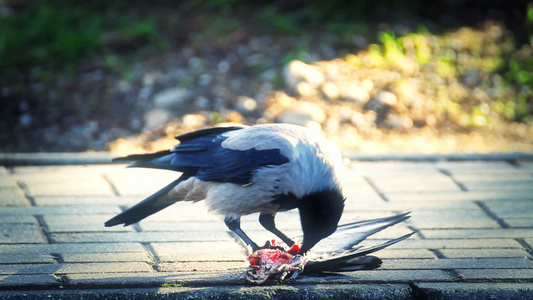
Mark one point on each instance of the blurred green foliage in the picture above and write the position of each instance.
(283, 23)
(43, 34)
(63, 32)
(213, 29)
(66, 31)
(495, 74)
(143, 30)
(529, 14)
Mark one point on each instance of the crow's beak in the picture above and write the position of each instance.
(308, 243)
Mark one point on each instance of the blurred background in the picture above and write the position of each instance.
(373, 76)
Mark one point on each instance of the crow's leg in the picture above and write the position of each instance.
(267, 220)
(234, 224)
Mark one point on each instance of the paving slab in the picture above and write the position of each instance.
(71, 248)
(474, 236)
(105, 257)
(354, 197)
(53, 200)
(71, 182)
(451, 263)
(525, 165)
(392, 168)
(7, 181)
(461, 243)
(406, 253)
(453, 220)
(126, 279)
(511, 208)
(184, 212)
(27, 281)
(81, 223)
(69, 268)
(4, 171)
(487, 176)
(21, 234)
(467, 291)
(203, 266)
(529, 242)
(461, 167)
(141, 237)
(522, 185)
(392, 276)
(478, 233)
(55, 158)
(28, 269)
(484, 253)
(136, 181)
(496, 274)
(198, 251)
(8, 219)
(12, 196)
(525, 222)
(459, 195)
(416, 206)
(176, 225)
(58, 210)
(160, 279)
(436, 183)
(26, 258)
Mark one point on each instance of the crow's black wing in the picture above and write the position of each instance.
(202, 154)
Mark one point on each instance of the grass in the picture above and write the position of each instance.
(66, 32)
(172, 285)
(43, 34)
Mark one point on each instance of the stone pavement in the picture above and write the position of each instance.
(473, 218)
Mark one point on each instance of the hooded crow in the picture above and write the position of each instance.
(241, 170)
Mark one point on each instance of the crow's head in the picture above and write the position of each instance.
(320, 213)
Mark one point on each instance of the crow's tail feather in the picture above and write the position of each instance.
(142, 157)
(157, 160)
(148, 206)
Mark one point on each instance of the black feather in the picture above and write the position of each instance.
(142, 157)
(203, 132)
(202, 152)
(352, 264)
(351, 260)
(148, 206)
(366, 224)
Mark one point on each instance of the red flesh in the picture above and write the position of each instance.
(295, 249)
(272, 256)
